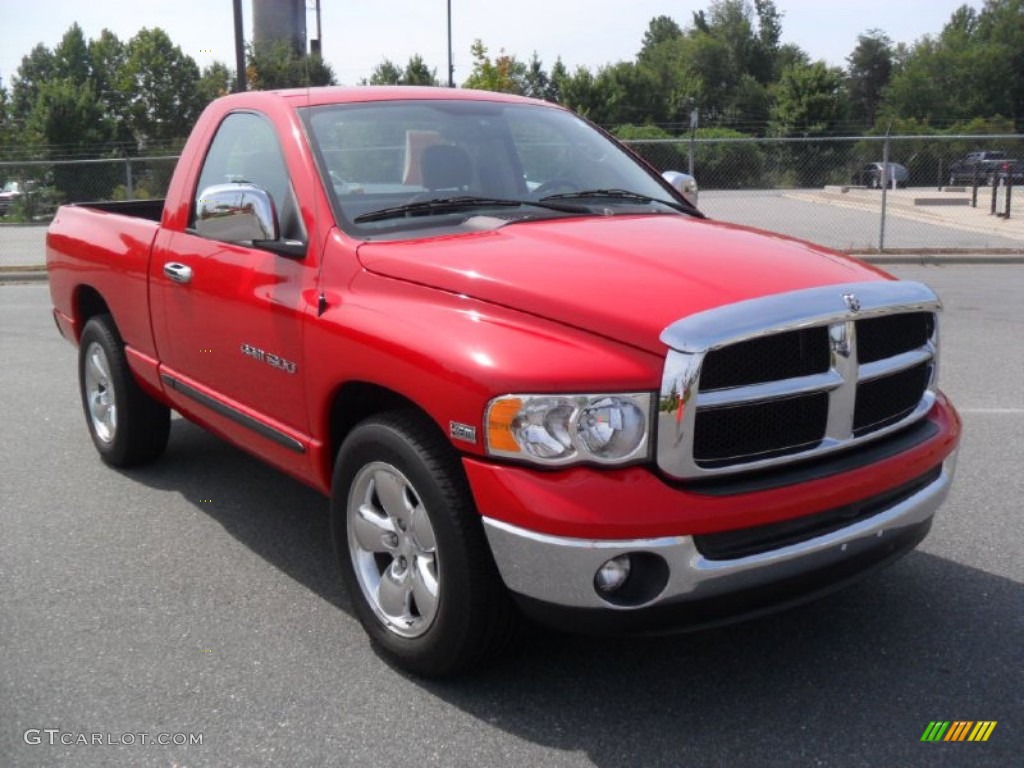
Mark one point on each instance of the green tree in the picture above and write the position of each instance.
(418, 73)
(654, 146)
(1001, 25)
(556, 81)
(37, 68)
(216, 80)
(386, 73)
(731, 23)
(810, 102)
(504, 74)
(626, 93)
(270, 66)
(71, 61)
(163, 84)
(6, 128)
(579, 92)
(789, 55)
(660, 29)
(973, 68)
(70, 121)
(870, 66)
(712, 74)
(107, 61)
(722, 65)
(763, 63)
(750, 105)
(536, 82)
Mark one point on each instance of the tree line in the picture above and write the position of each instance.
(108, 97)
(105, 96)
(730, 65)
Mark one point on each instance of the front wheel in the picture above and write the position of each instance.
(127, 426)
(412, 550)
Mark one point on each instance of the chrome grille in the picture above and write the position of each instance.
(889, 399)
(891, 335)
(768, 358)
(794, 376)
(740, 433)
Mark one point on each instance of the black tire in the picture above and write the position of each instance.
(127, 426)
(471, 617)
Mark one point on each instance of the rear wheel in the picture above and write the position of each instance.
(127, 426)
(412, 550)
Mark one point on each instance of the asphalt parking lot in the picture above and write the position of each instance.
(198, 596)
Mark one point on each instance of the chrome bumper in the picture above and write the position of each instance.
(560, 571)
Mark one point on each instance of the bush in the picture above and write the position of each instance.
(728, 164)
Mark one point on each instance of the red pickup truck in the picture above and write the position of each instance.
(531, 377)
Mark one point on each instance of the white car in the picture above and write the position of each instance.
(12, 191)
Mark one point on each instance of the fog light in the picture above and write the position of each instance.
(613, 574)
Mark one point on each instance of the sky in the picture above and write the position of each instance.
(358, 35)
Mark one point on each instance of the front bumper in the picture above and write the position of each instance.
(553, 576)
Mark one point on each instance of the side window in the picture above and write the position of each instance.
(245, 149)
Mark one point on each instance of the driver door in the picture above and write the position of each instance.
(228, 317)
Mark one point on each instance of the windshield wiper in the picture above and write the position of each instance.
(461, 203)
(615, 194)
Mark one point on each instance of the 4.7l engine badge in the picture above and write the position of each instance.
(270, 359)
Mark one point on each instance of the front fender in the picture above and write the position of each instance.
(451, 354)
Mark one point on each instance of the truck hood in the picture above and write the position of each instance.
(624, 277)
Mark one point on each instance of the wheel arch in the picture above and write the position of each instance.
(355, 401)
(87, 303)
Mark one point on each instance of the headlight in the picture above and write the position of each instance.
(566, 429)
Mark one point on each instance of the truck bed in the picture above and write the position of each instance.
(139, 209)
(105, 246)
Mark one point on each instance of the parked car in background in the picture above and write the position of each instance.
(871, 175)
(983, 166)
(1012, 170)
(12, 190)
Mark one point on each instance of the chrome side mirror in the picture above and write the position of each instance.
(684, 184)
(236, 213)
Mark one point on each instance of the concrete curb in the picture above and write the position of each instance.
(939, 260)
(26, 275)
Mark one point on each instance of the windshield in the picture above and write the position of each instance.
(398, 168)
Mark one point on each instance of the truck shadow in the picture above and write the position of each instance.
(853, 679)
(278, 518)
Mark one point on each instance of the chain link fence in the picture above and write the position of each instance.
(829, 191)
(822, 190)
(32, 190)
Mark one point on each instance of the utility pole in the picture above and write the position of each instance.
(240, 80)
(319, 34)
(451, 66)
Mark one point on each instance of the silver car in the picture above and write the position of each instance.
(871, 175)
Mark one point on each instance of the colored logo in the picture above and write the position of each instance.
(958, 730)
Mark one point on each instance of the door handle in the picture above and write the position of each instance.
(179, 273)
